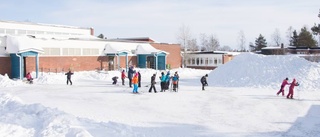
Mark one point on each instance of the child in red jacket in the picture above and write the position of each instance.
(294, 83)
(284, 83)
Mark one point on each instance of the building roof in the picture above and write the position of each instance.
(19, 44)
(136, 39)
(148, 49)
(44, 24)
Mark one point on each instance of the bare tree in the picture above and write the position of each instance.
(276, 37)
(192, 45)
(213, 43)
(183, 36)
(203, 41)
(289, 34)
(226, 48)
(242, 41)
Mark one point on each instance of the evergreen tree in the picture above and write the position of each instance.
(101, 36)
(305, 38)
(260, 43)
(316, 29)
(294, 39)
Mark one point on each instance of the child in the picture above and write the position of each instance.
(175, 79)
(153, 82)
(123, 76)
(29, 78)
(115, 80)
(284, 83)
(135, 83)
(290, 94)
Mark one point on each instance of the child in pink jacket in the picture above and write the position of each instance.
(284, 83)
(294, 83)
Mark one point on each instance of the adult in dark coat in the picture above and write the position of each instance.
(153, 82)
(130, 74)
(139, 79)
(69, 77)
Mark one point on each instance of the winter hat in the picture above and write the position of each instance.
(206, 75)
(286, 78)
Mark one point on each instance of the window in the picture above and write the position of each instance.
(88, 51)
(201, 61)
(215, 61)
(51, 51)
(207, 61)
(210, 61)
(40, 32)
(71, 51)
(31, 32)
(2, 31)
(22, 32)
(198, 61)
(11, 31)
(189, 61)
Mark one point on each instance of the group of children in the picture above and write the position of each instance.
(291, 88)
(135, 80)
(165, 81)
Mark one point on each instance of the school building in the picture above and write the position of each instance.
(36, 47)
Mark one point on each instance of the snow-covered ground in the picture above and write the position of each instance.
(239, 101)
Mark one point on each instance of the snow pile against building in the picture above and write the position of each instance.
(252, 70)
(5, 81)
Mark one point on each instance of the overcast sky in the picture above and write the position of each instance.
(161, 19)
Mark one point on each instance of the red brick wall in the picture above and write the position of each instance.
(76, 63)
(85, 63)
(5, 66)
(174, 58)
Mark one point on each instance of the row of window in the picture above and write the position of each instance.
(32, 32)
(70, 52)
(203, 61)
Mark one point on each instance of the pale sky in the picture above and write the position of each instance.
(161, 19)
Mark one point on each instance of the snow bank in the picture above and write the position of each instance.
(5, 81)
(253, 70)
(18, 119)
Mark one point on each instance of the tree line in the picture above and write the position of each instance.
(303, 38)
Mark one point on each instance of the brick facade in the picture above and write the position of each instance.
(5, 65)
(174, 57)
(87, 63)
(75, 63)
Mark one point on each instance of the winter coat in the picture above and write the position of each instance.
(175, 79)
(284, 83)
(28, 76)
(69, 75)
(135, 79)
(203, 80)
(293, 84)
(123, 75)
(167, 77)
(139, 76)
(163, 78)
(114, 78)
(130, 73)
(153, 79)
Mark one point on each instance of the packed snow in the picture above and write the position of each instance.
(240, 101)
